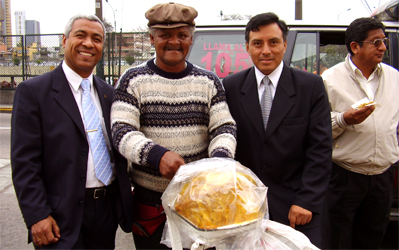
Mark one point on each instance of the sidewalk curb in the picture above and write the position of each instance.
(5, 110)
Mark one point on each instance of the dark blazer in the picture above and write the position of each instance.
(293, 156)
(49, 152)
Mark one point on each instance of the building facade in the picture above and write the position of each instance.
(32, 28)
(5, 21)
(20, 19)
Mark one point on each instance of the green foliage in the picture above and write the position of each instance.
(129, 60)
(44, 52)
(334, 54)
(17, 61)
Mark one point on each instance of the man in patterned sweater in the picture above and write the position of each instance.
(166, 113)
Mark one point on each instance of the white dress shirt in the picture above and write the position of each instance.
(274, 78)
(369, 85)
(74, 81)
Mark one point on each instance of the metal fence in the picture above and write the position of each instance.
(26, 56)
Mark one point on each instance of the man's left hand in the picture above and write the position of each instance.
(299, 216)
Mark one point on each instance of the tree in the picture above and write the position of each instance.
(140, 29)
(108, 26)
(334, 54)
(233, 17)
(230, 17)
(130, 60)
(17, 61)
(44, 52)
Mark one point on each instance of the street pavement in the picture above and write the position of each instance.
(13, 233)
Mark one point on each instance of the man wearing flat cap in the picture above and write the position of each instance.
(166, 113)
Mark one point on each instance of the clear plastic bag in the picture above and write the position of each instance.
(212, 202)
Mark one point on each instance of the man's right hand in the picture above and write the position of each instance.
(356, 116)
(45, 232)
(169, 164)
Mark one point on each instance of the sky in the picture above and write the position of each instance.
(129, 14)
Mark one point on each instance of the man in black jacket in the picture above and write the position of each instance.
(283, 134)
(64, 202)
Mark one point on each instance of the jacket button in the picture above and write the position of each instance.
(83, 152)
(83, 178)
(81, 203)
(336, 146)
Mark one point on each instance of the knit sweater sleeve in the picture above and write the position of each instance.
(125, 126)
(222, 127)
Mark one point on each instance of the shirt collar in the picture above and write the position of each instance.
(73, 78)
(355, 69)
(273, 76)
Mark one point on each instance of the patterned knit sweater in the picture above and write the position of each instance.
(154, 111)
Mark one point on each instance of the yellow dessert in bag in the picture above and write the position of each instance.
(216, 199)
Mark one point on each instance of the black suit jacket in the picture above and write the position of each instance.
(293, 156)
(49, 152)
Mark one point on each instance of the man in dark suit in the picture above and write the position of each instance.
(289, 147)
(64, 200)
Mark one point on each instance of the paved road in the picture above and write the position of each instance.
(13, 234)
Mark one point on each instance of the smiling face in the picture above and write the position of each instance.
(83, 47)
(266, 47)
(172, 46)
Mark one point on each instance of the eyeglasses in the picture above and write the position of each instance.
(377, 42)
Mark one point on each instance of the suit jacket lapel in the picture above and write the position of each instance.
(65, 97)
(250, 102)
(104, 101)
(282, 102)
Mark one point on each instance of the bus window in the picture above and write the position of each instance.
(223, 53)
(304, 54)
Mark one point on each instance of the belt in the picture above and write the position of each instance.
(97, 193)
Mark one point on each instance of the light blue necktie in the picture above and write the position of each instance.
(266, 101)
(102, 162)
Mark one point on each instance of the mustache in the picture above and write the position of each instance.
(266, 58)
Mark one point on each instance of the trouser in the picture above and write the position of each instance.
(356, 209)
(99, 222)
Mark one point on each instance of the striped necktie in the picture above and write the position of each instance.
(266, 101)
(102, 162)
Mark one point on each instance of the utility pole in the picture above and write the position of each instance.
(298, 9)
(99, 9)
(100, 64)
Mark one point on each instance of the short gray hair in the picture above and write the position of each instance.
(152, 30)
(68, 27)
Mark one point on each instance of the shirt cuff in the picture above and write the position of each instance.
(341, 121)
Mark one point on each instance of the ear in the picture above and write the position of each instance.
(285, 46)
(152, 39)
(63, 40)
(247, 47)
(355, 47)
